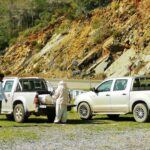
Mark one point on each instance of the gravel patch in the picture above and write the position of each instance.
(67, 137)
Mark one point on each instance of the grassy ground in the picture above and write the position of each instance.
(28, 130)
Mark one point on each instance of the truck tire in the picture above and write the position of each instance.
(140, 112)
(10, 117)
(113, 117)
(51, 116)
(19, 113)
(84, 111)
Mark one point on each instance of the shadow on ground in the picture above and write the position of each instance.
(44, 122)
(130, 119)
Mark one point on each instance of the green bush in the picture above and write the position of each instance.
(13, 41)
(115, 5)
(37, 46)
(64, 27)
(26, 32)
(103, 28)
(117, 34)
(102, 34)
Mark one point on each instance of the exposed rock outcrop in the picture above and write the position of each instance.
(113, 41)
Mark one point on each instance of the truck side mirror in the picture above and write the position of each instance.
(94, 90)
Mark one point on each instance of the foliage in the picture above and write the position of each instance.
(64, 27)
(37, 46)
(37, 68)
(103, 29)
(12, 41)
(115, 5)
(27, 17)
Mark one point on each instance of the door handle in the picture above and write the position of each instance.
(107, 95)
(124, 94)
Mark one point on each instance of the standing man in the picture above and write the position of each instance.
(2, 94)
(61, 97)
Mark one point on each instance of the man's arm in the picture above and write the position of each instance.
(3, 93)
(56, 94)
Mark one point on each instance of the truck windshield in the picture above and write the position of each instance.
(33, 84)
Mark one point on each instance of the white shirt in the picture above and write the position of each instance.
(2, 94)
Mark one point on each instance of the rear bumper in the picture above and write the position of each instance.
(69, 107)
(45, 109)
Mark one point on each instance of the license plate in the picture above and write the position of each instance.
(42, 106)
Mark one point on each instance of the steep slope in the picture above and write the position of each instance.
(110, 41)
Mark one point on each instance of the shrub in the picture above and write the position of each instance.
(115, 5)
(37, 46)
(117, 34)
(37, 68)
(26, 33)
(102, 34)
(101, 76)
(64, 27)
(100, 22)
(96, 23)
(13, 41)
(7, 72)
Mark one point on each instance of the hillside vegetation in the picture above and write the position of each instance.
(76, 39)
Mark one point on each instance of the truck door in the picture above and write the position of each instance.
(102, 101)
(8, 88)
(120, 96)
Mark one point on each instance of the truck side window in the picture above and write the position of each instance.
(26, 86)
(140, 84)
(8, 86)
(120, 84)
(104, 87)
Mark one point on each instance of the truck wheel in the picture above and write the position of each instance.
(113, 117)
(140, 112)
(19, 113)
(84, 111)
(51, 116)
(10, 117)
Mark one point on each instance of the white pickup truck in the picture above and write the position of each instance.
(117, 96)
(27, 96)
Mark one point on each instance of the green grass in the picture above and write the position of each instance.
(30, 129)
(11, 129)
(102, 122)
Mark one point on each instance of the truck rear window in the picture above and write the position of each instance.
(141, 84)
(33, 84)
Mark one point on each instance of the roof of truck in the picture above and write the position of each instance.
(22, 78)
(128, 77)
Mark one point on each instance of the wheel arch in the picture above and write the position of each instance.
(86, 103)
(137, 102)
(18, 102)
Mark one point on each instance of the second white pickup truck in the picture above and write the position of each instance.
(27, 96)
(117, 96)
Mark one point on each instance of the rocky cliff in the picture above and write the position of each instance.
(109, 41)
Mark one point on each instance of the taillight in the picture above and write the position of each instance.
(36, 102)
(36, 99)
